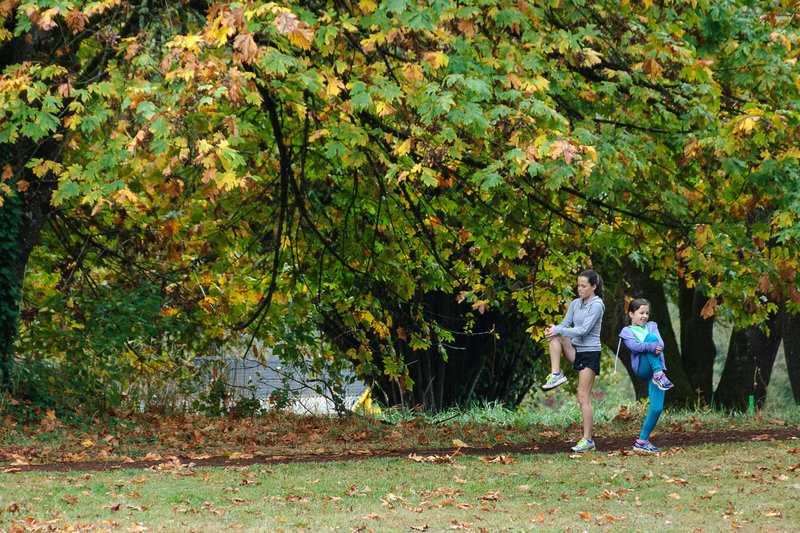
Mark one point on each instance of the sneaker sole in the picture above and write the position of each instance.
(642, 450)
(662, 388)
(557, 384)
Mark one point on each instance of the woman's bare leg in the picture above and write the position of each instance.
(560, 345)
(585, 384)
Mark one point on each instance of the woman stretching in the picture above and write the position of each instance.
(577, 338)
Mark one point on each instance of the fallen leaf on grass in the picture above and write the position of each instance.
(429, 459)
(371, 516)
(492, 496)
(585, 516)
(119, 506)
(240, 455)
(539, 518)
(679, 481)
(674, 495)
(502, 459)
(459, 443)
(775, 514)
(423, 527)
(391, 498)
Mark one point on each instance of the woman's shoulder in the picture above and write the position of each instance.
(596, 301)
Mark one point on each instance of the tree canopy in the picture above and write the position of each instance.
(361, 183)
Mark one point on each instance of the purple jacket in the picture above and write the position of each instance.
(638, 348)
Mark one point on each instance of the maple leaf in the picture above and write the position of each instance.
(76, 21)
(436, 59)
(334, 85)
(709, 308)
(302, 36)
(590, 57)
(247, 46)
(412, 72)
(46, 18)
(565, 149)
(286, 23)
(467, 27)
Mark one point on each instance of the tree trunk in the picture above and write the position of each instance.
(698, 350)
(748, 367)
(791, 349)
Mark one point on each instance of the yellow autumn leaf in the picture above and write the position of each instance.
(436, 59)
(302, 37)
(702, 234)
(403, 148)
(412, 72)
(368, 6)
(334, 85)
(746, 124)
(384, 109)
(590, 57)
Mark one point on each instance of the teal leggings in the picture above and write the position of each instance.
(649, 364)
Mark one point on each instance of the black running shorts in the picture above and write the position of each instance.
(587, 360)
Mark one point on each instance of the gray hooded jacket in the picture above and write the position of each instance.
(585, 319)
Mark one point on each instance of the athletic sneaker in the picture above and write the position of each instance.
(583, 446)
(553, 381)
(662, 382)
(646, 447)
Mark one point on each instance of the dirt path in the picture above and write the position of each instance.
(666, 441)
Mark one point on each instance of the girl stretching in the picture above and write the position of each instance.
(647, 361)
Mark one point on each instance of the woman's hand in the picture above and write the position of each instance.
(548, 332)
(658, 350)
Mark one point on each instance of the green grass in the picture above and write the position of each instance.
(753, 486)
